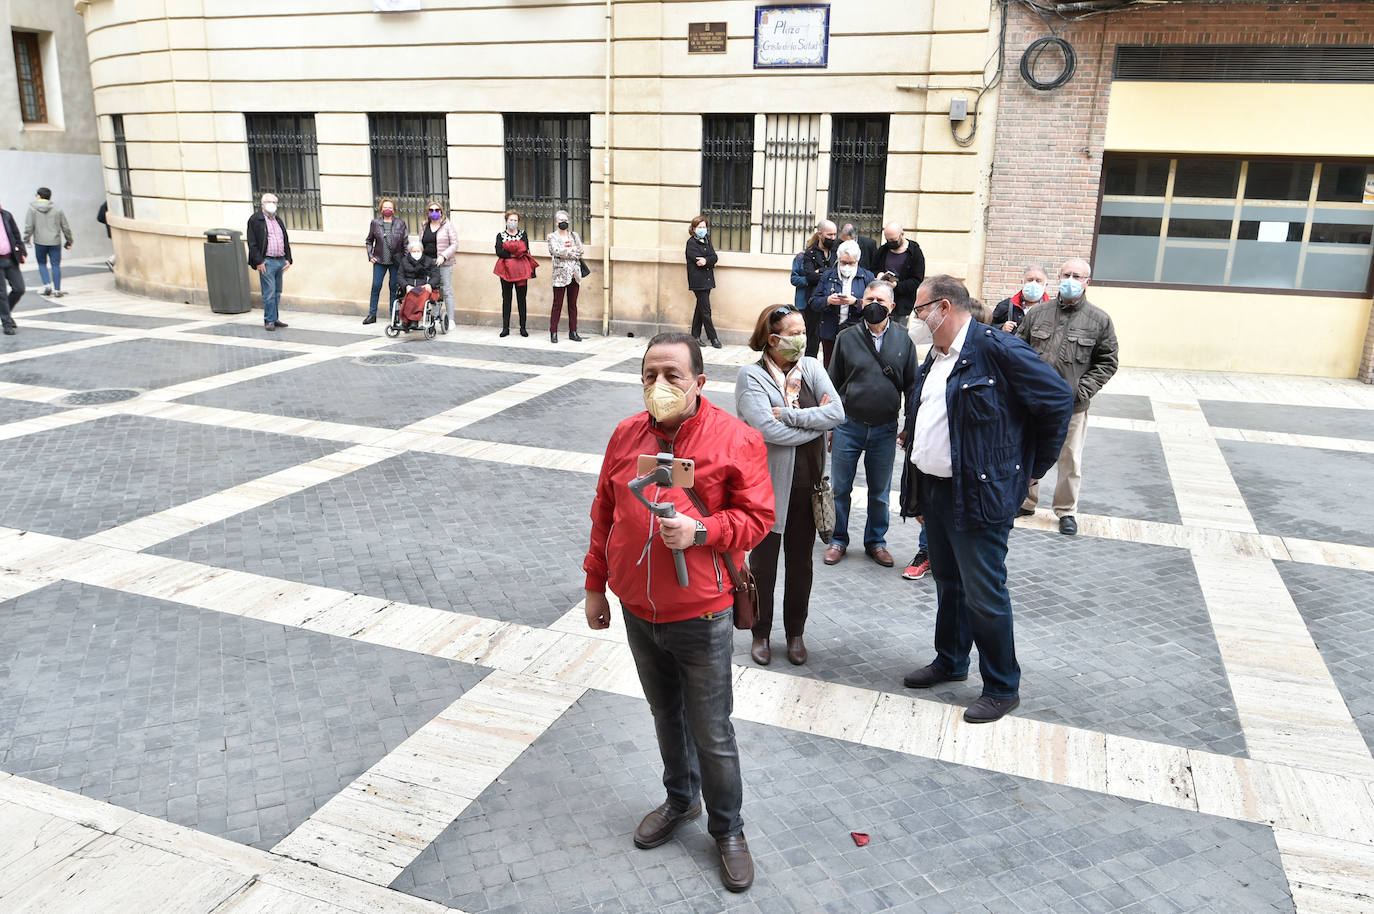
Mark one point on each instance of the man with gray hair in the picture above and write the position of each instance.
(269, 252)
(837, 296)
(1011, 310)
(988, 418)
(1078, 340)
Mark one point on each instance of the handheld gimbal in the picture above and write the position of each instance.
(664, 476)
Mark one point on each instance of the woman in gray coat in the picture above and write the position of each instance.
(788, 397)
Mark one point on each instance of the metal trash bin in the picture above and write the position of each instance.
(226, 272)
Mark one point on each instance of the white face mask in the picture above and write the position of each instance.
(847, 271)
(512, 227)
(269, 208)
(935, 326)
(416, 255)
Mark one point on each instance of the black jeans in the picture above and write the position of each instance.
(520, 292)
(812, 316)
(796, 539)
(684, 668)
(9, 275)
(701, 317)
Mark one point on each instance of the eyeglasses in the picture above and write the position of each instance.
(921, 307)
(436, 211)
(1070, 275)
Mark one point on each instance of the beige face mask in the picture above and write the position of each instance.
(666, 402)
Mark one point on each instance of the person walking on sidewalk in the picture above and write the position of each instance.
(46, 226)
(12, 255)
(681, 637)
(269, 252)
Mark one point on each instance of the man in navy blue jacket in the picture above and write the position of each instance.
(990, 417)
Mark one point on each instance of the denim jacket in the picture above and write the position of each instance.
(1008, 415)
(831, 283)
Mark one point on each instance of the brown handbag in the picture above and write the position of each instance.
(744, 588)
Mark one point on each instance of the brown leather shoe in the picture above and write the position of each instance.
(659, 825)
(833, 554)
(880, 555)
(796, 651)
(762, 652)
(736, 863)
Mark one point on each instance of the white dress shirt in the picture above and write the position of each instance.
(930, 439)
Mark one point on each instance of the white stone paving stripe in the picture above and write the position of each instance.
(1327, 876)
(49, 422)
(1206, 492)
(1288, 439)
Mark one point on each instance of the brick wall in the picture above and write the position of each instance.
(1048, 151)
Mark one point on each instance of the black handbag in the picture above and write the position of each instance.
(582, 265)
(743, 586)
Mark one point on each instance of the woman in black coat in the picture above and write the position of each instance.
(817, 257)
(701, 277)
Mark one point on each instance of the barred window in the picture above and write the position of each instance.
(126, 191)
(727, 178)
(409, 163)
(548, 168)
(858, 171)
(283, 159)
(791, 150)
(28, 65)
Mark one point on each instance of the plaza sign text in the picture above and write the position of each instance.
(791, 36)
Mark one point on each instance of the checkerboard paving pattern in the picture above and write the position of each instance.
(143, 364)
(1305, 492)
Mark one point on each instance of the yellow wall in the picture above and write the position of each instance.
(1241, 119)
(1233, 331)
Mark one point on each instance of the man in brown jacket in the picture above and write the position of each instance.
(1077, 338)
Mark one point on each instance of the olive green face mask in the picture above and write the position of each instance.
(791, 348)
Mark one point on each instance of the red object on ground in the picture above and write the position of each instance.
(859, 838)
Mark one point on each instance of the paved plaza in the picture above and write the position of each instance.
(292, 622)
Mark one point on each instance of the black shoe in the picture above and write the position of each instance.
(1024, 512)
(929, 675)
(1068, 526)
(370, 319)
(553, 337)
(281, 325)
(269, 326)
(524, 332)
(9, 331)
(715, 344)
(505, 331)
(572, 335)
(659, 825)
(987, 709)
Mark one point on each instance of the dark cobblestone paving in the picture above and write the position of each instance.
(31, 336)
(1338, 606)
(553, 834)
(110, 319)
(1110, 636)
(498, 541)
(344, 390)
(228, 725)
(77, 480)
(1124, 475)
(142, 364)
(457, 350)
(18, 410)
(1298, 420)
(1123, 406)
(721, 378)
(1305, 492)
(292, 334)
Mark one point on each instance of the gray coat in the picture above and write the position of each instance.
(756, 393)
(46, 224)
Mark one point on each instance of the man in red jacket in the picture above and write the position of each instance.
(682, 637)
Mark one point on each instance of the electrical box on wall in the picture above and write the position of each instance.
(958, 109)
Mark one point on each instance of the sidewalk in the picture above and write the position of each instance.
(293, 622)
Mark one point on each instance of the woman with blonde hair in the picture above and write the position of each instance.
(440, 241)
(565, 248)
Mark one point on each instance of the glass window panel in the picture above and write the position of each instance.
(1130, 225)
(1279, 181)
(1343, 182)
(1339, 233)
(1336, 269)
(1136, 176)
(1266, 265)
(1206, 178)
(1362, 216)
(1194, 265)
(1132, 208)
(1223, 211)
(1274, 212)
(1129, 258)
(1249, 230)
(1200, 228)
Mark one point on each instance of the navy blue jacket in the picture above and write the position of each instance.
(829, 284)
(1008, 414)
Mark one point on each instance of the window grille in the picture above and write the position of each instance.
(727, 178)
(1245, 63)
(548, 168)
(283, 159)
(858, 172)
(126, 192)
(791, 151)
(409, 163)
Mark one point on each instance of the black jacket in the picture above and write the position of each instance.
(909, 277)
(257, 239)
(101, 218)
(500, 242)
(418, 272)
(699, 278)
(867, 393)
(868, 253)
(17, 250)
(815, 261)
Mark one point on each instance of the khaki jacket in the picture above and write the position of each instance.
(1077, 340)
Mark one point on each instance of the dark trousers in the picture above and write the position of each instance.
(796, 541)
(701, 317)
(521, 291)
(9, 276)
(829, 346)
(974, 607)
(572, 289)
(379, 272)
(813, 330)
(45, 253)
(684, 668)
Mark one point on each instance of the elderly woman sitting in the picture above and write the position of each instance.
(838, 294)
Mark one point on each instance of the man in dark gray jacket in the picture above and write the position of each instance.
(1078, 340)
(873, 368)
(12, 254)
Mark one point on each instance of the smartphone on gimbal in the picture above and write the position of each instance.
(684, 470)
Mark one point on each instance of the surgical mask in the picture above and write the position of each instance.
(563, 225)
(875, 312)
(435, 217)
(269, 208)
(388, 212)
(416, 255)
(847, 271)
(1033, 291)
(512, 227)
(893, 245)
(828, 243)
(665, 402)
(791, 348)
(700, 231)
(1070, 289)
(936, 326)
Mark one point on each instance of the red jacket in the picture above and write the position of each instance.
(732, 481)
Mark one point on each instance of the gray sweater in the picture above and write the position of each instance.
(46, 224)
(756, 393)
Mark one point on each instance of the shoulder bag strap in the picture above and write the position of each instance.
(735, 577)
(888, 371)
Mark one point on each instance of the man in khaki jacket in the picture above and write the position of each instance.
(1078, 340)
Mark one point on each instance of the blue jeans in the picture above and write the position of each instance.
(974, 607)
(378, 271)
(878, 444)
(684, 668)
(270, 282)
(44, 253)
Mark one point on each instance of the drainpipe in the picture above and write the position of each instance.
(606, 189)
